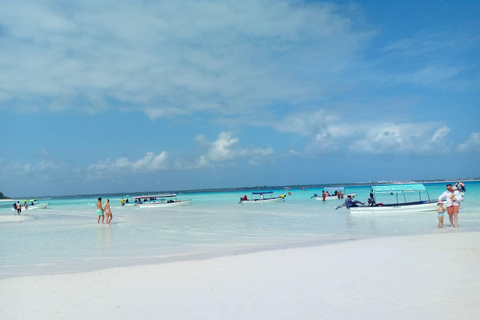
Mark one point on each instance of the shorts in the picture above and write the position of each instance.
(99, 212)
(440, 215)
(452, 209)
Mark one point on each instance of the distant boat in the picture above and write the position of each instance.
(303, 189)
(262, 197)
(340, 194)
(160, 201)
(399, 205)
(31, 205)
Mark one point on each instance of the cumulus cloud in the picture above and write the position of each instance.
(226, 151)
(402, 138)
(150, 163)
(472, 143)
(328, 133)
(170, 59)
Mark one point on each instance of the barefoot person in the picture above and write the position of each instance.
(452, 198)
(108, 211)
(100, 210)
(19, 208)
(440, 212)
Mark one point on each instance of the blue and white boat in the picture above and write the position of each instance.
(262, 197)
(398, 198)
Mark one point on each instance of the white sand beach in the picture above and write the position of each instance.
(14, 218)
(414, 277)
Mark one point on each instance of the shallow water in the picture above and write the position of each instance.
(66, 238)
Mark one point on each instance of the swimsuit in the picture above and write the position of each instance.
(100, 212)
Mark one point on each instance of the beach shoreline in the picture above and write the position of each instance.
(421, 276)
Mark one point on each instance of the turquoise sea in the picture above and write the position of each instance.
(65, 237)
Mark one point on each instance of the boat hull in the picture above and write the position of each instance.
(353, 194)
(405, 208)
(152, 205)
(35, 206)
(260, 201)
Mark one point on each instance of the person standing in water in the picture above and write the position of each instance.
(19, 208)
(452, 198)
(100, 210)
(108, 211)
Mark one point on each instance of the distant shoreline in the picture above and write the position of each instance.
(255, 188)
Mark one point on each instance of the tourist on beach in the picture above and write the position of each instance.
(26, 205)
(460, 186)
(108, 211)
(350, 203)
(440, 211)
(19, 207)
(323, 196)
(245, 197)
(452, 198)
(100, 210)
(371, 201)
(261, 196)
(123, 202)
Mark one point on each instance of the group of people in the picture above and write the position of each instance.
(338, 194)
(103, 211)
(18, 206)
(452, 198)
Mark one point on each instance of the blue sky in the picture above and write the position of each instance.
(122, 96)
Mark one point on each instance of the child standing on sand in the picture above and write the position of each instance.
(440, 211)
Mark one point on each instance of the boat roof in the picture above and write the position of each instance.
(263, 192)
(334, 189)
(399, 188)
(164, 195)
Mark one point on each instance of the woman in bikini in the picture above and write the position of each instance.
(108, 211)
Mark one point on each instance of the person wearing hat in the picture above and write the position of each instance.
(440, 211)
(452, 199)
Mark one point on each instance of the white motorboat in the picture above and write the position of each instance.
(31, 205)
(262, 197)
(160, 201)
(334, 193)
(404, 200)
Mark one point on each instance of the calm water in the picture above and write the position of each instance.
(66, 238)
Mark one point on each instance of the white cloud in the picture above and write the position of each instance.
(150, 163)
(170, 59)
(402, 139)
(226, 151)
(328, 133)
(472, 143)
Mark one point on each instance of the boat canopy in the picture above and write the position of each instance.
(333, 189)
(165, 195)
(399, 188)
(264, 192)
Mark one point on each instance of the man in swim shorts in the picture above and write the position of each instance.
(100, 211)
(452, 198)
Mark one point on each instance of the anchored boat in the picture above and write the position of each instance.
(334, 193)
(262, 197)
(31, 205)
(161, 201)
(402, 198)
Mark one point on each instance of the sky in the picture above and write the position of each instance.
(130, 96)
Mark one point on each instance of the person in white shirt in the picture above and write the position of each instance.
(452, 197)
